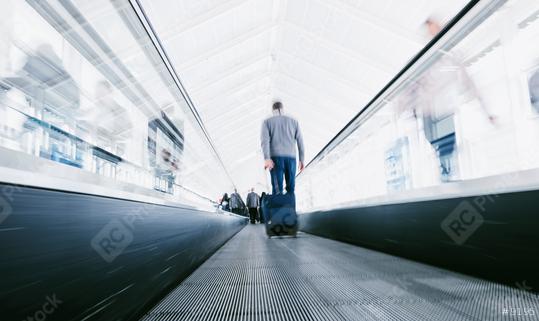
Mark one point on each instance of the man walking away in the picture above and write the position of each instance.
(253, 200)
(236, 203)
(280, 135)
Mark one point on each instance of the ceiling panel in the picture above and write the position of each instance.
(324, 59)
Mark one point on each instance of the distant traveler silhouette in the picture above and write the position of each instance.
(236, 203)
(260, 209)
(442, 89)
(253, 201)
(279, 137)
(225, 200)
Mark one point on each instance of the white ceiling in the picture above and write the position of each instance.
(323, 59)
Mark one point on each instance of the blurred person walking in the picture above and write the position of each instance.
(237, 205)
(279, 138)
(225, 200)
(253, 201)
(260, 208)
(440, 91)
(52, 95)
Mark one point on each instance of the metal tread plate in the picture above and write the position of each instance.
(312, 278)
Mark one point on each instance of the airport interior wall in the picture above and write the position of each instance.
(502, 248)
(52, 253)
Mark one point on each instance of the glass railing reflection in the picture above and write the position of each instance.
(467, 112)
(86, 90)
(31, 135)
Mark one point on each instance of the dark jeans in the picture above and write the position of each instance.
(260, 214)
(284, 166)
(253, 213)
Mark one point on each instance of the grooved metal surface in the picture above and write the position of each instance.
(312, 278)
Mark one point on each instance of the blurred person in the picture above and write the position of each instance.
(171, 163)
(279, 136)
(46, 84)
(439, 92)
(237, 205)
(260, 208)
(225, 200)
(253, 201)
(50, 95)
(533, 86)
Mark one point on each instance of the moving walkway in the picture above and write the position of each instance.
(121, 125)
(314, 278)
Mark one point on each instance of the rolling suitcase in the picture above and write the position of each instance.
(280, 215)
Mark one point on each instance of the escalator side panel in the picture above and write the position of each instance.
(50, 248)
(489, 236)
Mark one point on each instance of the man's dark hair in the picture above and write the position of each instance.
(277, 105)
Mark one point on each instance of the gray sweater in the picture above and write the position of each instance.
(279, 136)
(236, 201)
(253, 200)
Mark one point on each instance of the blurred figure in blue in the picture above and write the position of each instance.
(440, 91)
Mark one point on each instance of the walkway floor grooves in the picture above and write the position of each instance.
(312, 278)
